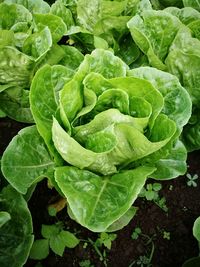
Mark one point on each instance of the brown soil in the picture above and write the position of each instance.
(183, 204)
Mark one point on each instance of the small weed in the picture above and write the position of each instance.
(151, 192)
(171, 187)
(54, 237)
(192, 180)
(145, 260)
(136, 233)
(166, 235)
(105, 239)
(85, 263)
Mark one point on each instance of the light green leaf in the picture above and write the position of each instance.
(37, 44)
(88, 13)
(173, 165)
(34, 6)
(59, 9)
(100, 43)
(92, 198)
(46, 84)
(26, 160)
(16, 68)
(108, 65)
(122, 221)
(11, 14)
(140, 88)
(177, 103)
(6, 38)
(196, 229)
(186, 15)
(16, 235)
(54, 23)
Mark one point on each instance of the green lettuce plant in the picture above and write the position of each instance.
(195, 261)
(29, 32)
(15, 228)
(99, 135)
(169, 39)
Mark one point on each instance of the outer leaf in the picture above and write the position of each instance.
(186, 15)
(15, 103)
(16, 235)
(195, 28)
(47, 81)
(92, 198)
(12, 14)
(196, 229)
(16, 68)
(4, 217)
(122, 221)
(191, 134)
(6, 38)
(26, 160)
(173, 165)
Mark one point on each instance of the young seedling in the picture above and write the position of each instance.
(136, 233)
(151, 192)
(145, 260)
(105, 240)
(192, 180)
(85, 263)
(166, 235)
(54, 237)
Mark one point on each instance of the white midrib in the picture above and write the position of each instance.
(32, 166)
